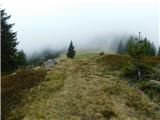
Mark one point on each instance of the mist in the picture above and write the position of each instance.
(91, 25)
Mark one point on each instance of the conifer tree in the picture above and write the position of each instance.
(20, 58)
(9, 54)
(8, 44)
(71, 52)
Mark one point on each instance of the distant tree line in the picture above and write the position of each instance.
(146, 47)
(11, 57)
(38, 58)
(137, 48)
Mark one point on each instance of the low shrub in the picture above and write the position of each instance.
(101, 53)
(129, 71)
(137, 71)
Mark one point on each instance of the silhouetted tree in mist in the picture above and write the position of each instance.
(71, 52)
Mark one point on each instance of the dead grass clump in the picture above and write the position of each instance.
(14, 85)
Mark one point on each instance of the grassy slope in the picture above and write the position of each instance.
(15, 85)
(81, 89)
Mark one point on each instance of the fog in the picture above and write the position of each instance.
(90, 24)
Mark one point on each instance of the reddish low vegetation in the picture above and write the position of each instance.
(153, 60)
(14, 85)
(113, 62)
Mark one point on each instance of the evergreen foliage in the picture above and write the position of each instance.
(129, 44)
(137, 49)
(10, 56)
(21, 58)
(71, 52)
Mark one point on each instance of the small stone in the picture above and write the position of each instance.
(50, 63)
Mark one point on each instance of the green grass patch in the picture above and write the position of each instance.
(85, 56)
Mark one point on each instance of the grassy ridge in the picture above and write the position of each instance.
(87, 88)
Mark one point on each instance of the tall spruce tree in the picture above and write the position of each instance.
(8, 44)
(9, 54)
(71, 52)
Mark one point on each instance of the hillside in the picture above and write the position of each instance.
(82, 89)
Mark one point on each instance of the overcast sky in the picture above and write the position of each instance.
(53, 23)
